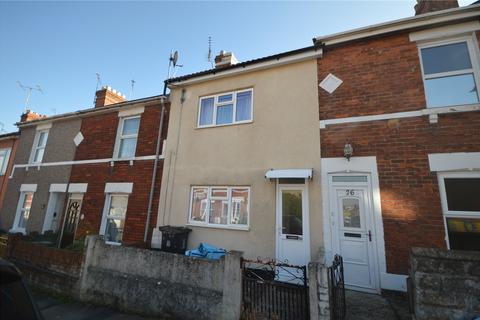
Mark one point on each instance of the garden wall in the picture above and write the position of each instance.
(46, 267)
(159, 283)
(445, 284)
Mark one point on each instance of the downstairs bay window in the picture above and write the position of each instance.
(223, 207)
(460, 195)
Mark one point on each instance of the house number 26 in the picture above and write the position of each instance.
(350, 192)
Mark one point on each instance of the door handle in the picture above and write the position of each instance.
(369, 235)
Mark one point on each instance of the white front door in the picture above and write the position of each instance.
(353, 230)
(54, 209)
(293, 246)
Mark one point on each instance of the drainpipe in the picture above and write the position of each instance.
(154, 173)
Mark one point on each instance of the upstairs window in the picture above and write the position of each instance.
(449, 73)
(226, 108)
(39, 144)
(4, 157)
(127, 135)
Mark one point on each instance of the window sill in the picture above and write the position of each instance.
(224, 227)
(123, 159)
(224, 125)
(18, 230)
(113, 243)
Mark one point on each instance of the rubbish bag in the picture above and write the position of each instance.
(207, 251)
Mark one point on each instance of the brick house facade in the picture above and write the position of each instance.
(381, 110)
(99, 140)
(8, 147)
(93, 162)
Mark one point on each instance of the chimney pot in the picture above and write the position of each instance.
(225, 59)
(426, 6)
(30, 116)
(107, 96)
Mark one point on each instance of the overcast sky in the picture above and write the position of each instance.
(60, 46)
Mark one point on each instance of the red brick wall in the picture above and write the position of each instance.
(379, 76)
(7, 143)
(383, 76)
(46, 267)
(100, 133)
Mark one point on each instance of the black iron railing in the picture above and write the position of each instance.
(274, 290)
(336, 286)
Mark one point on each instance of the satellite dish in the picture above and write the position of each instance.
(174, 58)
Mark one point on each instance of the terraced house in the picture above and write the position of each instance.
(8, 147)
(393, 162)
(404, 96)
(93, 171)
(365, 144)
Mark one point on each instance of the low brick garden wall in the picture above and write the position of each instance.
(46, 267)
(445, 284)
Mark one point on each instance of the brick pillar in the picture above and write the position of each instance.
(107, 95)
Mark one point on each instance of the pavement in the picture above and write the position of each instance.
(388, 306)
(360, 306)
(60, 309)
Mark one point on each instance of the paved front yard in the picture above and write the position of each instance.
(56, 309)
(364, 306)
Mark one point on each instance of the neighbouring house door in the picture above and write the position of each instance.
(292, 227)
(54, 210)
(353, 230)
(72, 215)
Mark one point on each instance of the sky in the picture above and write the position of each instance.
(62, 45)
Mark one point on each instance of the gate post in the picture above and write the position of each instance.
(232, 286)
(319, 291)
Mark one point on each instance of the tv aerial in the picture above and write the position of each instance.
(28, 93)
(132, 86)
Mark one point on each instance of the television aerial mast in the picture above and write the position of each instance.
(209, 54)
(28, 93)
(132, 86)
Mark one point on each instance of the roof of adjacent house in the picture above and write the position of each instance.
(81, 112)
(243, 65)
(9, 135)
(420, 21)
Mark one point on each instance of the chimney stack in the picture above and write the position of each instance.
(426, 6)
(107, 95)
(225, 59)
(30, 116)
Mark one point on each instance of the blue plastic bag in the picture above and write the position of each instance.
(207, 251)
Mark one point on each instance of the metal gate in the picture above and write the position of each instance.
(272, 290)
(336, 286)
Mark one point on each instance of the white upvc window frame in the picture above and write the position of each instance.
(106, 215)
(473, 49)
(20, 212)
(36, 147)
(441, 176)
(229, 225)
(120, 137)
(4, 160)
(217, 104)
